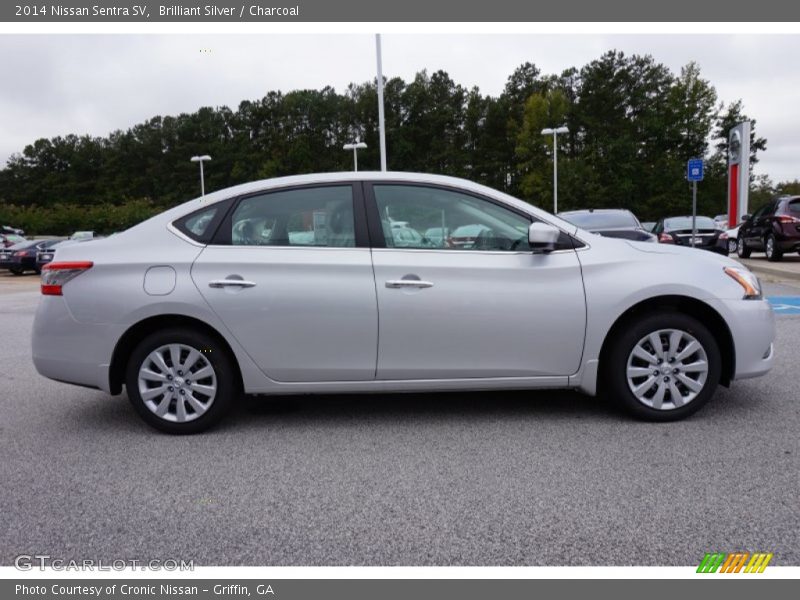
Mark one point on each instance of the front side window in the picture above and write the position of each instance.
(429, 218)
(318, 216)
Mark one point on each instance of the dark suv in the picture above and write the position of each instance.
(773, 228)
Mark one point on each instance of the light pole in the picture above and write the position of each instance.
(355, 147)
(201, 159)
(381, 121)
(554, 133)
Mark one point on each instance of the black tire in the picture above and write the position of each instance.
(742, 251)
(616, 364)
(772, 250)
(732, 245)
(212, 353)
(16, 271)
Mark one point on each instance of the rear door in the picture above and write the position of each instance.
(290, 274)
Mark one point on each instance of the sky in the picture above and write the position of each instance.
(93, 84)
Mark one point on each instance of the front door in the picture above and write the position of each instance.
(461, 294)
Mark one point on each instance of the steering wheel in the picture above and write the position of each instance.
(489, 240)
(482, 240)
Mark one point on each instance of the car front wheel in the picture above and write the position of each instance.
(732, 244)
(181, 381)
(741, 249)
(663, 367)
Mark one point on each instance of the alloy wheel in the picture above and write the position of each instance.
(667, 369)
(177, 383)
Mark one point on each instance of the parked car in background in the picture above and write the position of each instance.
(729, 239)
(6, 229)
(45, 255)
(83, 235)
(678, 231)
(21, 257)
(721, 221)
(774, 229)
(609, 222)
(186, 319)
(9, 239)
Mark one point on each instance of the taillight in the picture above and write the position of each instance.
(723, 236)
(788, 219)
(666, 238)
(22, 253)
(56, 274)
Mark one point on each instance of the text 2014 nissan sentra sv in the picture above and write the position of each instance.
(387, 282)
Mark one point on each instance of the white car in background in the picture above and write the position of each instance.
(732, 238)
(185, 318)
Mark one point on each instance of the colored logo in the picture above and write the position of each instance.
(735, 562)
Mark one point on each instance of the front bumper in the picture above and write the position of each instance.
(752, 326)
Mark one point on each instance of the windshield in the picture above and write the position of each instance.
(686, 223)
(621, 219)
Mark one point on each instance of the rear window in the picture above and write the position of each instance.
(686, 223)
(200, 225)
(793, 207)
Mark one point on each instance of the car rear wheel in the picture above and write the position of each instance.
(772, 250)
(741, 249)
(181, 381)
(663, 367)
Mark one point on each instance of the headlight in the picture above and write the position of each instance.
(748, 281)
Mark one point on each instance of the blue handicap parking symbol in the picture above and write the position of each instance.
(785, 305)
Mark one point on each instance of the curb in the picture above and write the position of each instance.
(773, 272)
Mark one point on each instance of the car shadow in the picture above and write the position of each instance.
(329, 408)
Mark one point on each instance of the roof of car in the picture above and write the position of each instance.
(340, 176)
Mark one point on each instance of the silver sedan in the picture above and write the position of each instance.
(302, 285)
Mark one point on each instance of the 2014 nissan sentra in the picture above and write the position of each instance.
(297, 285)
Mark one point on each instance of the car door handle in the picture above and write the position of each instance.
(221, 283)
(407, 283)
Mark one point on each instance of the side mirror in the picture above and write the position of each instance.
(542, 237)
(745, 218)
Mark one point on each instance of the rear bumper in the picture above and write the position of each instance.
(68, 351)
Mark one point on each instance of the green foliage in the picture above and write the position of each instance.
(65, 219)
(633, 125)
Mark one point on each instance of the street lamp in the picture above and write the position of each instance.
(201, 159)
(355, 147)
(554, 133)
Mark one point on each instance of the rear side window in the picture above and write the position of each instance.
(200, 225)
(314, 216)
(793, 207)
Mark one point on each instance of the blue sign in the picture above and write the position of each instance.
(785, 305)
(694, 169)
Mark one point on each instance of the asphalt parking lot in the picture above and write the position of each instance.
(546, 478)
